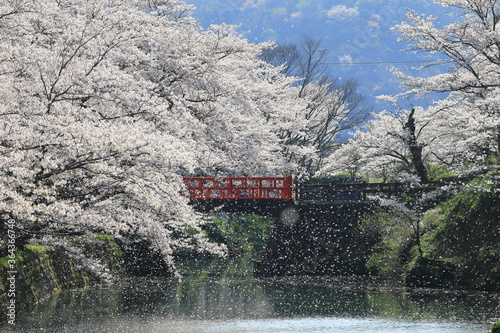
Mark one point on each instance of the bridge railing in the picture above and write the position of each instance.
(330, 192)
(341, 192)
(202, 188)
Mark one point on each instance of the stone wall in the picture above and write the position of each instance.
(40, 272)
(322, 240)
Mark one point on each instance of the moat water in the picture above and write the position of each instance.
(223, 296)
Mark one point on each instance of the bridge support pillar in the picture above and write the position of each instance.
(279, 247)
(317, 240)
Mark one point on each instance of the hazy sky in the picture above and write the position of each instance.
(357, 34)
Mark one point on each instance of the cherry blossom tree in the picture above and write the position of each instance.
(460, 131)
(106, 104)
(406, 143)
(470, 47)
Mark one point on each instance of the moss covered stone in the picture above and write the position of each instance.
(495, 328)
(40, 272)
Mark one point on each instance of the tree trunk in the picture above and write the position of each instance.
(415, 148)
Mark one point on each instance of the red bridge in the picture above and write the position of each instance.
(257, 189)
(316, 236)
(252, 195)
(239, 187)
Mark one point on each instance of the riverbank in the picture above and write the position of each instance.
(37, 273)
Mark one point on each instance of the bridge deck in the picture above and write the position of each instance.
(352, 192)
(216, 191)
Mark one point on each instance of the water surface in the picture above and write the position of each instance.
(222, 296)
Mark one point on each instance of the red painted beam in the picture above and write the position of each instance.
(239, 187)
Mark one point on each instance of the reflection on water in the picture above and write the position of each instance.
(222, 296)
